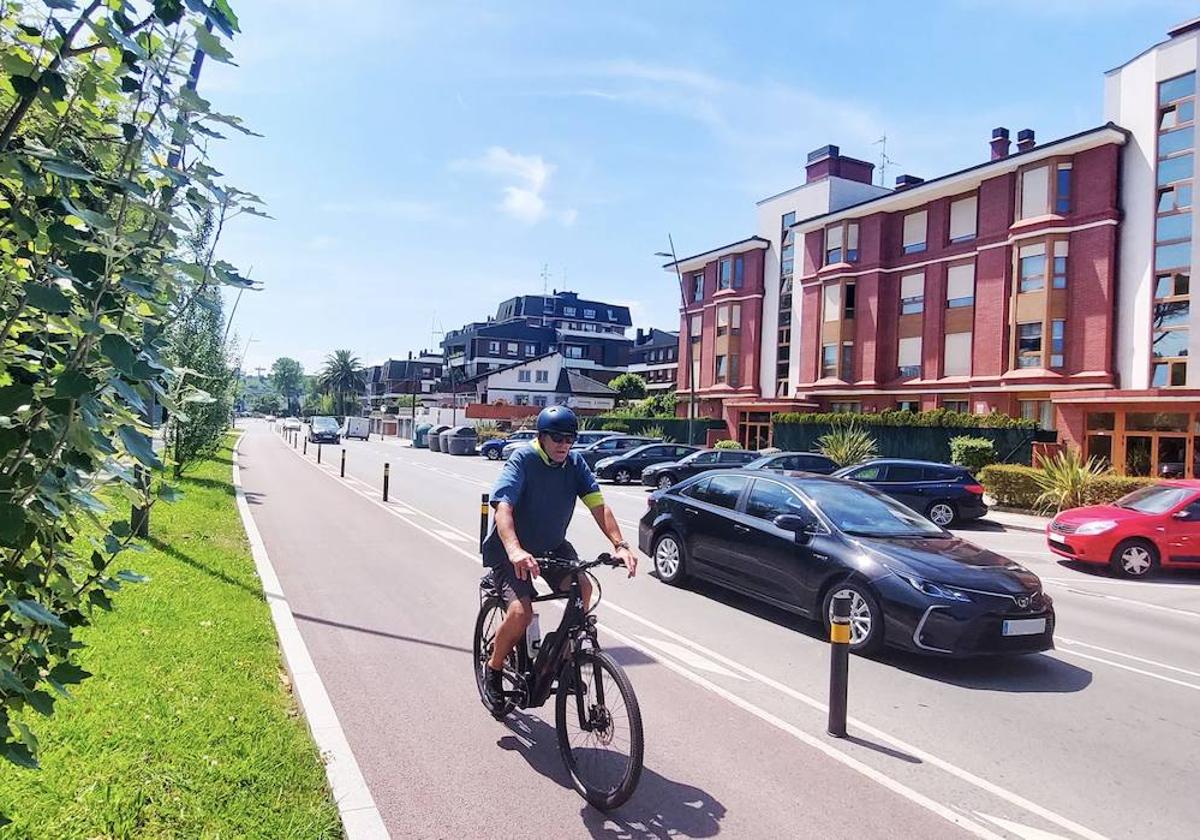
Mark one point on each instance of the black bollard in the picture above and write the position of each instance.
(305, 450)
(387, 469)
(343, 462)
(484, 509)
(839, 663)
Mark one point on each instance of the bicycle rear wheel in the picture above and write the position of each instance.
(491, 615)
(599, 729)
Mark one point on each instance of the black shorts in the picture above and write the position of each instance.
(512, 587)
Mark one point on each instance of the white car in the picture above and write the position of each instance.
(291, 424)
(270, 418)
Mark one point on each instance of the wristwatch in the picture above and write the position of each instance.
(619, 545)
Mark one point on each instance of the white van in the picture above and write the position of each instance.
(356, 427)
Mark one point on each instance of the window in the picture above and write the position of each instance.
(573, 351)
(846, 407)
(698, 287)
(522, 376)
(530, 349)
(739, 271)
(848, 302)
(722, 320)
(909, 357)
(521, 399)
(612, 315)
(1032, 268)
(841, 243)
(1057, 347)
(768, 499)
(1173, 232)
(1062, 190)
(511, 348)
(912, 294)
(493, 346)
(734, 377)
(1039, 410)
(1035, 192)
(735, 319)
(719, 369)
(837, 362)
(1029, 345)
(1060, 264)
(542, 376)
(847, 366)
(868, 474)
(957, 354)
(589, 313)
(833, 297)
(960, 286)
(915, 225)
(908, 405)
(569, 311)
(963, 215)
(724, 273)
(961, 406)
(724, 490)
(829, 360)
(540, 400)
(833, 244)
(904, 472)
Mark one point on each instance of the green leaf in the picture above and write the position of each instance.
(169, 493)
(33, 611)
(168, 11)
(117, 349)
(25, 87)
(12, 397)
(73, 384)
(212, 46)
(43, 703)
(130, 576)
(90, 218)
(68, 673)
(120, 529)
(66, 169)
(19, 755)
(131, 397)
(138, 445)
(47, 298)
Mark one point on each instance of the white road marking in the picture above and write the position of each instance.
(450, 535)
(1131, 601)
(1025, 832)
(690, 657)
(1128, 656)
(849, 761)
(1124, 667)
(1131, 584)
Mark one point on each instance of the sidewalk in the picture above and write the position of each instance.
(1017, 520)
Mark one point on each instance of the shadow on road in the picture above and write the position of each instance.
(1180, 577)
(253, 498)
(984, 525)
(312, 619)
(660, 808)
(628, 656)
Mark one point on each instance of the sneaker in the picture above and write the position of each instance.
(493, 687)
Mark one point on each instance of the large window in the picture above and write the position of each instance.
(915, 232)
(523, 376)
(837, 361)
(1060, 264)
(720, 369)
(960, 286)
(833, 302)
(698, 287)
(912, 294)
(957, 359)
(909, 357)
(1173, 232)
(787, 256)
(1057, 344)
(1062, 189)
(729, 319)
(1029, 345)
(542, 376)
(731, 272)
(1032, 267)
(1039, 410)
(963, 213)
(841, 243)
(1035, 192)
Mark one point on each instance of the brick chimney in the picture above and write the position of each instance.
(903, 182)
(1025, 140)
(828, 161)
(1000, 143)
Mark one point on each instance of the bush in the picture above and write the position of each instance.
(1110, 487)
(488, 430)
(847, 445)
(727, 444)
(1065, 478)
(938, 417)
(614, 426)
(1011, 485)
(974, 453)
(658, 432)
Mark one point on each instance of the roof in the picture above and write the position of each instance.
(657, 338)
(752, 242)
(1172, 33)
(572, 382)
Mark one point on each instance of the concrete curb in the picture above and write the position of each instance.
(356, 806)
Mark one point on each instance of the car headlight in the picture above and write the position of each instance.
(1098, 526)
(604, 462)
(934, 590)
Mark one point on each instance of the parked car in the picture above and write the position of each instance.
(672, 472)
(1152, 527)
(615, 445)
(809, 462)
(323, 430)
(797, 541)
(291, 424)
(628, 466)
(270, 418)
(589, 436)
(356, 427)
(516, 443)
(493, 449)
(943, 492)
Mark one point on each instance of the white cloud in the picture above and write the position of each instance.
(528, 177)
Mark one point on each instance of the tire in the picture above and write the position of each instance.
(622, 476)
(665, 481)
(865, 613)
(1134, 558)
(482, 649)
(674, 572)
(493, 454)
(591, 781)
(942, 513)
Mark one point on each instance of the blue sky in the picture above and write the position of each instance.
(423, 161)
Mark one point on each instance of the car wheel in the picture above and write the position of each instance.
(622, 476)
(669, 558)
(1134, 558)
(866, 616)
(942, 513)
(493, 454)
(665, 482)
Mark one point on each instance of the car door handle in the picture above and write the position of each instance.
(741, 528)
(691, 511)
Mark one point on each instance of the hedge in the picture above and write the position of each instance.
(1016, 486)
(936, 417)
(727, 444)
(974, 453)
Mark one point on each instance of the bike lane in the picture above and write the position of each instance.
(386, 607)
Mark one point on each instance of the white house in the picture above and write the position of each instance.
(541, 381)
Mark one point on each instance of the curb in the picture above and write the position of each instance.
(356, 807)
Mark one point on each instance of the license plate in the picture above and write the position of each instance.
(1056, 537)
(1023, 627)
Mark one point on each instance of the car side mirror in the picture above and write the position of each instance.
(1185, 515)
(802, 527)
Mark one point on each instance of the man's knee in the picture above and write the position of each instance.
(520, 610)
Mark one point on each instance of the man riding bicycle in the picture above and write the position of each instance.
(533, 499)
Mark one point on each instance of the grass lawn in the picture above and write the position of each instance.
(187, 728)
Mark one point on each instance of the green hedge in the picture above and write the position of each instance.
(727, 444)
(974, 453)
(936, 417)
(1016, 486)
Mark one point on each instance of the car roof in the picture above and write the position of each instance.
(908, 462)
(787, 454)
(1189, 483)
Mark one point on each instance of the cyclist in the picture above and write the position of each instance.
(533, 499)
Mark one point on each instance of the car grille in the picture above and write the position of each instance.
(1063, 527)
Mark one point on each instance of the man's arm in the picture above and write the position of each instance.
(523, 562)
(604, 517)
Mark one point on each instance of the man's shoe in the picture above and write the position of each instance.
(493, 688)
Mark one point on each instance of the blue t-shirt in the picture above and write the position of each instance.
(542, 495)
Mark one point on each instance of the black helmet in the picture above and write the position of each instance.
(557, 418)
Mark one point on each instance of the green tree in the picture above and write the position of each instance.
(629, 386)
(203, 385)
(268, 403)
(344, 378)
(287, 375)
(104, 177)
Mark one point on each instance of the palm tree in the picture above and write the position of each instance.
(343, 373)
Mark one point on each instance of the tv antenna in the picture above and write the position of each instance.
(884, 160)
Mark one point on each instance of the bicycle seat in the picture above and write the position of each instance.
(487, 583)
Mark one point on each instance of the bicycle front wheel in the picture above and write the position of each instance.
(491, 616)
(599, 729)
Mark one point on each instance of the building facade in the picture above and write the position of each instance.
(655, 357)
(417, 375)
(541, 381)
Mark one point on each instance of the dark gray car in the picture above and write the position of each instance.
(616, 445)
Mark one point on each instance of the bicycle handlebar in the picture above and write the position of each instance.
(604, 559)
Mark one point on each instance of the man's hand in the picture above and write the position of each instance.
(525, 564)
(629, 557)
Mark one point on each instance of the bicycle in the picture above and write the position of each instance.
(570, 663)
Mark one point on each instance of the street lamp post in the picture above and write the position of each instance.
(688, 344)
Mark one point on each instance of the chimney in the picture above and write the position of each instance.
(410, 355)
(1000, 143)
(1025, 140)
(828, 161)
(641, 336)
(903, 182)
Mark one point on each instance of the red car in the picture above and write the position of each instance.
(1151, 527)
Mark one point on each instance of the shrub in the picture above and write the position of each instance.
(1011, 485)
(938, 417)
(727, 444)
(586, 423)
(1110, 487)
(614, 426)
(847, 445)
(1065, 479)
(974, 453)
(630, 386)
(657, 431)
(488, 430)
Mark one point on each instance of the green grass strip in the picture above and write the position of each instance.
(187, 728)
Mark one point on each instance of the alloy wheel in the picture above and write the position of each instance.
(860, 616)
(665, 482)
(622, 476)
(941, 514)
(666, 558)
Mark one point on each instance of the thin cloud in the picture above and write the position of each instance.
(528, 177)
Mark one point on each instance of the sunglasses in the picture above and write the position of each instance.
(559, 437)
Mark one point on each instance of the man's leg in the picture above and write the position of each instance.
(516, 620)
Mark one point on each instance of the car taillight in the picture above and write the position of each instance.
(974, 488)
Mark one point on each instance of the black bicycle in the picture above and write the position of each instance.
(596, 712)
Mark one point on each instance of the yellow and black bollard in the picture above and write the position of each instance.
(387, 469)
(484, 510)
(839, 663)
(318, 453)
(343, 462)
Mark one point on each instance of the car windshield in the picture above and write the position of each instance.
(862, 513)
(759, 463)
(324, 424)
(1157, 499)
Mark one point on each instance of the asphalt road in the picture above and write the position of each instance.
(1096, 739)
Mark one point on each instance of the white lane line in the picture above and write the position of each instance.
(928, 758)
(690, 657)
(1125, 667)
(356, 807)
(1131, 584)
(1131, 601)
(451, 535)
(1025, 832)
(1128, 656)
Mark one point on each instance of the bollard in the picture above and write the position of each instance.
(318, 453)
(484, 509)
(387, 469)
(839, 664)
(305, 450)
(293, 440)
(343, 462)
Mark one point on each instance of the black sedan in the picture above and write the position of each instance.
(608, 447)
(796, 541)
(673, 472)
(810, 462)
(943, 492)
(324, 430)
(628, 466)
